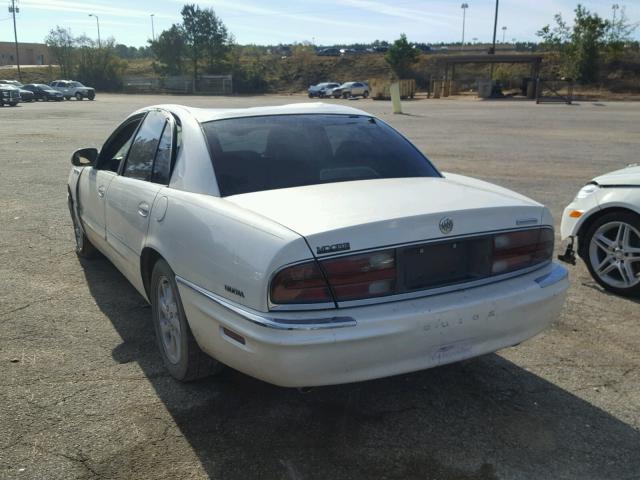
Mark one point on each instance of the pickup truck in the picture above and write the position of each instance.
(71, 88)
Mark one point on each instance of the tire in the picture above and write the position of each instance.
(78, 96)
(611, 250)
(310, 96)
(67, 98)
(84, 247)
(345, 95)
(13, 104)
(180, 352)
(365, 94)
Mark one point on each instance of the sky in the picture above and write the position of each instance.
(322, 22)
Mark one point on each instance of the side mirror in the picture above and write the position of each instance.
(85, 157)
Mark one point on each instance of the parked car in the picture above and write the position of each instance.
(328, 52)
(351, 89)
(71, 88)
(604, 220)
(9, 95)
(320, 90)
(310, 244)
(25, 95)
(44, 92)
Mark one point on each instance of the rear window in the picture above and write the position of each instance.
(281, 151)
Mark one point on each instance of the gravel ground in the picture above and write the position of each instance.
(83, 393)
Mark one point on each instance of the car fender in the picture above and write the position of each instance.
(73, 184)
(606, 198)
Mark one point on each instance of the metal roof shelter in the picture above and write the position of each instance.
(449, 62)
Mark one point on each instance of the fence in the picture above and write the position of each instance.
(554, 91)
(206, 84)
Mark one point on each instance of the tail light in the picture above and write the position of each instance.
(376, 274)
(303, 283)
(517, 250)
(362, 276)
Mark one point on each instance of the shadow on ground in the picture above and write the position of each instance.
(481, 419)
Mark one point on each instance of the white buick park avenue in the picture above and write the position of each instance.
(310, 244)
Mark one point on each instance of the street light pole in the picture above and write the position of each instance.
(98, 25)
(464, 7)
(495, 26)
(153, 31)
(504, 31)
(13, 10)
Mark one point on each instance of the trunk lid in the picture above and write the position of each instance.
(360, 215)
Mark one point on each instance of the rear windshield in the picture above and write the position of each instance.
(266, 153)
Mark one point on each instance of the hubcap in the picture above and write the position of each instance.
(169, 320)
(614, 253)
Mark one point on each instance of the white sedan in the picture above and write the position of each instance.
(604, 218)
(310, 244)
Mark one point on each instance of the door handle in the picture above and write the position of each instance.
(143, 209)
(101, 191)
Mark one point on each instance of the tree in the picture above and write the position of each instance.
(580, 45)
(205, 37)
(401, 56)
(61, 44)
(99, 67)
(170, 49)
(619, 34)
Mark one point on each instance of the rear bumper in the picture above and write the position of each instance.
(383, 339)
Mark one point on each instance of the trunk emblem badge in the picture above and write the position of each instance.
(446, 225)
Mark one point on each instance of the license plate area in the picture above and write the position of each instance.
(445, 263)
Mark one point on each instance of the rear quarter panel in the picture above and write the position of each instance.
(215, 244)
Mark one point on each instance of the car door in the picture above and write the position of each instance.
(132, 193)
(357, 89)
(94, 182)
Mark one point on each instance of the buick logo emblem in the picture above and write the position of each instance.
(446, 225)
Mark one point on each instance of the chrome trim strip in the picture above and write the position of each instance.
(556, 275)
(264, 320)
(526, 221)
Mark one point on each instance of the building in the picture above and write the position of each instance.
(30, 54)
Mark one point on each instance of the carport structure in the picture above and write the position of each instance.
(447, 66)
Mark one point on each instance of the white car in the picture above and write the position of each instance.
(604, 218)
(310, 244)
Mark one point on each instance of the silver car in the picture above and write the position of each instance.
(351, 89)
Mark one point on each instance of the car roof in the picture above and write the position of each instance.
(209, 114)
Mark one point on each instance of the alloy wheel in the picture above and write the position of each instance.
(614, 253)
(169, 320)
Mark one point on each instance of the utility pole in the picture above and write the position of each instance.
(464, 7)
(98, 24)
(495, 26)
(153, 31)
(13, 10)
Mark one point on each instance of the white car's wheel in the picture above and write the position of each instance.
(613, 253)
(84, 247)
(181, 354)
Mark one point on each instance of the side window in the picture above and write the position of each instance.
(116, 147)
(143, 149)
(162, 165)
